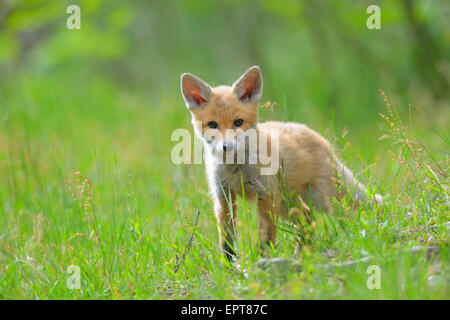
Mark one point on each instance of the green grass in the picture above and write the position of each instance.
(86, 179)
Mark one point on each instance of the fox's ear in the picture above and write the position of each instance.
(196, 92)
(248, 88)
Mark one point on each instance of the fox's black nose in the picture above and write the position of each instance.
(227, 147)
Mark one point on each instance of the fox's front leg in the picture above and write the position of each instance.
(225, 210)
(268, 209)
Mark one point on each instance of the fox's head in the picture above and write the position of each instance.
(222, 115)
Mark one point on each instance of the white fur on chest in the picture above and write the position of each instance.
(237, 178)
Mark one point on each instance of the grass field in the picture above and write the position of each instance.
(86, 180)
(86, 117)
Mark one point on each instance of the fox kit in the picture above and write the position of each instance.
(222, 117)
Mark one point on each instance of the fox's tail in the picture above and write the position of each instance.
(352, 186)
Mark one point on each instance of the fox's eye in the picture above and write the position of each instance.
(212, 124)
(238, 122)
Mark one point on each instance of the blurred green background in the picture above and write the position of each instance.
(104, 100)
(319, 59)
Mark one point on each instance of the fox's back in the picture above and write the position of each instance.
(304, 155)
(297, 133)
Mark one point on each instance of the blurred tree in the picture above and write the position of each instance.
(428, 55)
(318, 57)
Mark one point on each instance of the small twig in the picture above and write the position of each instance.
(188, 245)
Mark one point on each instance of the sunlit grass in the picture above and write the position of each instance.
(86, 179)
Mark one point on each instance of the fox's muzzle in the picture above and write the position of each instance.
(228, 147)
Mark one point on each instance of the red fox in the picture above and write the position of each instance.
(307, 169)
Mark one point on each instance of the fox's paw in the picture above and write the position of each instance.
(265, 248)
(229, 252)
